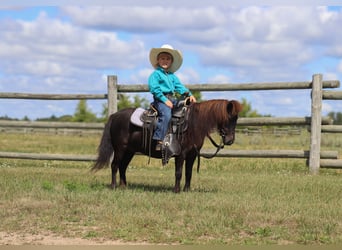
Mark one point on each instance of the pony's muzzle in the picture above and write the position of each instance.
(229, 140)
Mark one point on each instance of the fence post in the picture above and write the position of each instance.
(316, 123)
(112, 97)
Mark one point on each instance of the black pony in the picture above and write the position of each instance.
(124, 139)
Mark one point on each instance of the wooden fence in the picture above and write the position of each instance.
(318, 124)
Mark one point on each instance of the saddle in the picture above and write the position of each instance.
(177, 126)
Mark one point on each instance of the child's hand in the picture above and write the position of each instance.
(169, 104)
(192, 99)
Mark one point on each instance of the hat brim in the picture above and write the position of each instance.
(176, 54)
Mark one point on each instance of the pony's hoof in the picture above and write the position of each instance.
(176, 190)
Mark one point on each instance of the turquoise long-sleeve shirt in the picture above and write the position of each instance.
(161, 82)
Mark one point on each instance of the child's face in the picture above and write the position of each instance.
(164, 60)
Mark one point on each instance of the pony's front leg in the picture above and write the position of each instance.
(179, 160)
(189, 162)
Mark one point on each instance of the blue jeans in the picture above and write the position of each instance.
(164, 118)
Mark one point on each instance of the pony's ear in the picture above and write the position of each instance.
(234, 107)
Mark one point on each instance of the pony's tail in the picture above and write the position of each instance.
(105, 149)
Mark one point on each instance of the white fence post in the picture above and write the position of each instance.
(316, 123)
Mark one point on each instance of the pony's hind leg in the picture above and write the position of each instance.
(123, 164)
(114, 167)
(120, 161)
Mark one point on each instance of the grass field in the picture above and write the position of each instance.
(233, 201)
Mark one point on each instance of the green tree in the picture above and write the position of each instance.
(247, 110)
(197, 95)
(138, 101)
(104, 113)
(66, 118)
(337, 117)
(124, 101)
(83, 114)
(6, 117)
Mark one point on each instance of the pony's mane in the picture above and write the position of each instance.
(213, 110)
(209, 114)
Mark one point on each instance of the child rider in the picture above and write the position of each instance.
(163, 84)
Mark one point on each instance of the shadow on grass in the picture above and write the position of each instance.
(160, 188)
(155, 188)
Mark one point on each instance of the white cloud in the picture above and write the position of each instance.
(58, 54)
(58, 41)
(330, 76)
(188, 75)
(74, 50)
(326, 107)
(55, 108)
(219, 79)
(140, 76)
(145, 18)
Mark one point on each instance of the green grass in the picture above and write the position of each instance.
(232, 201)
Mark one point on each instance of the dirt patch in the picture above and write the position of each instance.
(51, 239)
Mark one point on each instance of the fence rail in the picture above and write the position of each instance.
(297, 154)
(332, 95)
(243, 121)
(318, 124)
(36, 124)
(9, 95)
(236, 86)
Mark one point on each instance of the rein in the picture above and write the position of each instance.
(218, 148)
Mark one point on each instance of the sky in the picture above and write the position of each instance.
(72, 48)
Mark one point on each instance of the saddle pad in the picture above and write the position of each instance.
(135, 117)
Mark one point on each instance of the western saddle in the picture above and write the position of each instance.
(178, 125)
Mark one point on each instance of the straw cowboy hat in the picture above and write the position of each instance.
(176, 54)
